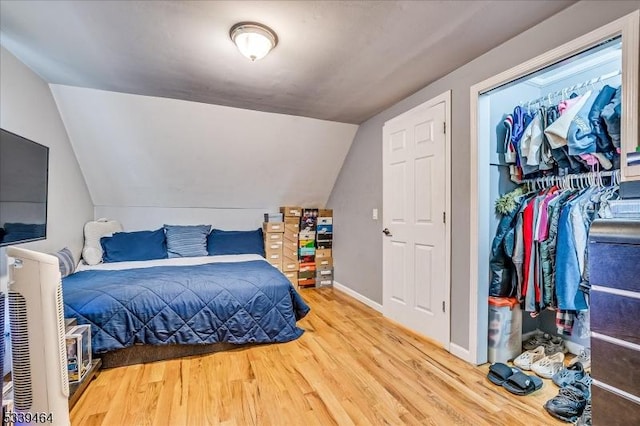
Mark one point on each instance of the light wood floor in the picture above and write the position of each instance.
(351, 366)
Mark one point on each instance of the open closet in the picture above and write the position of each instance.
(551, 141)
(554, 135)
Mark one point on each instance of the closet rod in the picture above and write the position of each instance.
(566, 180)
(567, 90)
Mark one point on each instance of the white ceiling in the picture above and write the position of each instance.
(336, 60)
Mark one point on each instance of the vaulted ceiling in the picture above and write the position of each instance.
(336, 60)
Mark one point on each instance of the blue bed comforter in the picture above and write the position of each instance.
(244, 302)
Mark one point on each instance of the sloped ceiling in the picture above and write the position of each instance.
(336, 60)
(145, 151)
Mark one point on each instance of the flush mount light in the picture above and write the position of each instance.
(253, 40)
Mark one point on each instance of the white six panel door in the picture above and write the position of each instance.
(414, 197)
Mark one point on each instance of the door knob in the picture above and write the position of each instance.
(386, 232)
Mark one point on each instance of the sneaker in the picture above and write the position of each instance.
(585, 418)
(549, 365)
(569, 404)
(586, 388)
(568, 375)
(584, 358)
(554, 345)
(535, 341)
(526, 359)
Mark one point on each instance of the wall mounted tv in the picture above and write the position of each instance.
(24, 170)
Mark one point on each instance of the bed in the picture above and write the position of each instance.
(183, 305)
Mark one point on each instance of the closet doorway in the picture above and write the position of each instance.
(416, 201)
(577, 71)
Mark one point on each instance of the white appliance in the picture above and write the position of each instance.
(36, 317)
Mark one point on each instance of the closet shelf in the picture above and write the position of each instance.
(566, 92)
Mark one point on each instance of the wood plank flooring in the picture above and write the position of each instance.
(351, 367)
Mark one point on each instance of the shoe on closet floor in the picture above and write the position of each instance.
(526, 359)
(554, 345)
(569, 404)
(584, 358)
(538, 339)
(585, 418)
(569, 374)
(549, 365)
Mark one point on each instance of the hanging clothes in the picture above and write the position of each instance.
(540, 250)
(579, 134)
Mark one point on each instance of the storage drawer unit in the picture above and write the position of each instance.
(614, 265)
(273, 232)
(324, 244)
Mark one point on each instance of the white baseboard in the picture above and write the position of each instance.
(370, 303)
(460, 352)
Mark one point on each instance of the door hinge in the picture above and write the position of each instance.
(443, 306)
(444, 217)
(444, 127)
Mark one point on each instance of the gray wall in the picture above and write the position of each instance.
(358, 242)
(27, 108)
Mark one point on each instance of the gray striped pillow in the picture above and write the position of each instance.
(187, 241)
(67, 264)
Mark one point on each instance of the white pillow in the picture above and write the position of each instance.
(93, 231)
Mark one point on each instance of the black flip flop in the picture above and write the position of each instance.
(499, 373)
(522, 384)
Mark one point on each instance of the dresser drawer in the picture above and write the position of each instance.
(273, 227)
(615, 365)
(322, 253)
(274, 256)
(270, 237)
(291, 254)
(323, 282)
(271, 246)
(289, 265)
(291, 236)
(610, 409)
(292, 227)
(323, 262)
(615, 265)
(325, 244)
(324, 229)
(616, 316)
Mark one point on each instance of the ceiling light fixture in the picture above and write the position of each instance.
(253, 40)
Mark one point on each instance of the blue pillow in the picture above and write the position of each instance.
(130, 246)
(235, 242)
(67, 263)
(187, 241)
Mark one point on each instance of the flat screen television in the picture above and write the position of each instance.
(24, 170)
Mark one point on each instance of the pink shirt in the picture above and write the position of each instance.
(543, 223)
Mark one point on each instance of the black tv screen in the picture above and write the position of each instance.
(24, 170)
